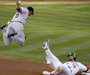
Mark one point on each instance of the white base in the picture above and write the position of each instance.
(85, 73)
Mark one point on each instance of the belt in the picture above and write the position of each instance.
(18, 21)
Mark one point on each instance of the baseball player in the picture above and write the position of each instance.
(69, 68)
(15, 29)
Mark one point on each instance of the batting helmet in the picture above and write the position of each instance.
(72, 54)
(31, 9)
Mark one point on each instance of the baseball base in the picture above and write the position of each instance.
(85, 73)
(46, 73)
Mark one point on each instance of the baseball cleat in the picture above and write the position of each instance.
(46, 44)
(9, 35)
(3, 26)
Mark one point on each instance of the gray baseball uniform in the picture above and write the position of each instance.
(16, 26)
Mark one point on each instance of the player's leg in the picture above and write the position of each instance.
(50, 57)
(7, 40)
(54, 60)
(66, 70)
(20, 36)
(58, 66)
(10, 30)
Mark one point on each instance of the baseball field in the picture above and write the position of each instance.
(66, 25)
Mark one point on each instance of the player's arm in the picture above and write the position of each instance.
(88, 69)
(83, 68)
(18, 8)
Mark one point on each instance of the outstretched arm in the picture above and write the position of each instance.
(18, 6)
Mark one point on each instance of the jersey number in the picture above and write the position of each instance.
(17, 14)
(74, 65)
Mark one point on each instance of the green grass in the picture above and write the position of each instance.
(67, 26)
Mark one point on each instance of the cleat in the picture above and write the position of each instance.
(46, 44)
(3, 26)
(9, 35)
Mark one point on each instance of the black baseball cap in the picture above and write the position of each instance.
(31, 9)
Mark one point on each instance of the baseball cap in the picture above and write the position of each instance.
(72, 54)
(31, 9)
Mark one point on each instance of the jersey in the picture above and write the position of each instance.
(75, 67)
(21, 16)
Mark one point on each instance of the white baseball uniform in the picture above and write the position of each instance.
(68, 68)
(16, 26)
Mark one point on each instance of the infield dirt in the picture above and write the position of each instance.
(10, 66)
(21, 67)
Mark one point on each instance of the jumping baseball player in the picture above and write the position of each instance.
(15, 29)
(69, 68)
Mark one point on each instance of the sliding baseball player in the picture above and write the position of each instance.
(69, 68)
(15, 29)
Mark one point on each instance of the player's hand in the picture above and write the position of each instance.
(18, 3)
